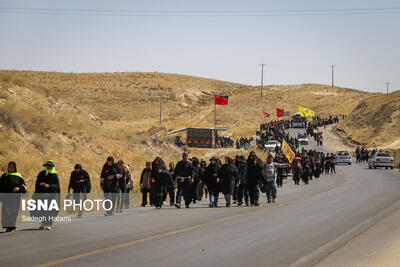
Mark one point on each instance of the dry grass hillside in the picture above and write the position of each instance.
(73, 118)
(375, 121)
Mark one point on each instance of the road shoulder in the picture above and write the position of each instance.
(379, 245)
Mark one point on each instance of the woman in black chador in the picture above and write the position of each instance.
(159, 177)
(47, 188)
(11, 186)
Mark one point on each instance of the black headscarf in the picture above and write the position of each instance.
(78, 166)
(12, 163)
(161, 166)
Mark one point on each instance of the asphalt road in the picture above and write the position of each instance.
(307, 223)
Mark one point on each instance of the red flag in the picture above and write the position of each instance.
(266, 115)
(279, 112)
(221, 100)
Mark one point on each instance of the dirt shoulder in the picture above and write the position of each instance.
(377, 246)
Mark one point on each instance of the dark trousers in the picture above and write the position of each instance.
(270, 190)
(279, 179)
(10, 209)
(326, 168)
(242, 191)
(296, 178)
(254, 193)
(235, 193)
(171, 194)
(179, 192)
(146, 192)
(112, 196)
(188, 192)
(333, 169)
(185, 188)
(158, 192)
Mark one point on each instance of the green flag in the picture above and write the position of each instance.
(299, 148)
(240, 153)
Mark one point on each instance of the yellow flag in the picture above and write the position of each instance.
(287, 151)
(306, 112)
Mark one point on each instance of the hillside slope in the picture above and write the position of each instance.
(375, 121)
(86, 117)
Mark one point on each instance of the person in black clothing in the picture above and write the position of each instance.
(159, 176)
(184, 174)
(327, 163)
(212, 181)
(194, 188)
(47, 187)
(80, 184)
(145, 184)
(110, 174)
(11, 186)
(254, 176)
(306, 169)
(318, 166)
(171, 184)
(279, 171)
(202, 187)
(332, 163)
(297, 170)
(236, 162)
(122, 196)
(229, 177)
(242, 188)
(121, 188)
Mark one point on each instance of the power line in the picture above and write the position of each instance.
(116, 12)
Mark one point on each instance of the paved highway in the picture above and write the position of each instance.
(307, 223)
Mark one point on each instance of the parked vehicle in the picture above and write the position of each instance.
(381, 159)
(303, 139)
(271, 145)
(343, 157)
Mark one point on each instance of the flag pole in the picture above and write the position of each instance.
(215, 115)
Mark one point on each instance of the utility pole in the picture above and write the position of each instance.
(160, 108)
(262, 79)
(387, 87)
(333, 84)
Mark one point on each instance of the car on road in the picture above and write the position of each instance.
(381, 159)
(271, 145)
(343, 157)
(303, 139)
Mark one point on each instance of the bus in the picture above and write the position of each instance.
(298, 121)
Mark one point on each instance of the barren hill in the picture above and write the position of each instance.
(85, 117)
(375, 121)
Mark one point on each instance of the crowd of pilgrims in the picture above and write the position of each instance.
(362, 154)
(239, 179)
(243, 142)
(276, 130)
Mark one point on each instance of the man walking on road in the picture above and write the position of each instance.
(183, 174)
(269, 179)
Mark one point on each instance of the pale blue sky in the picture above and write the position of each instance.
(296, 49)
